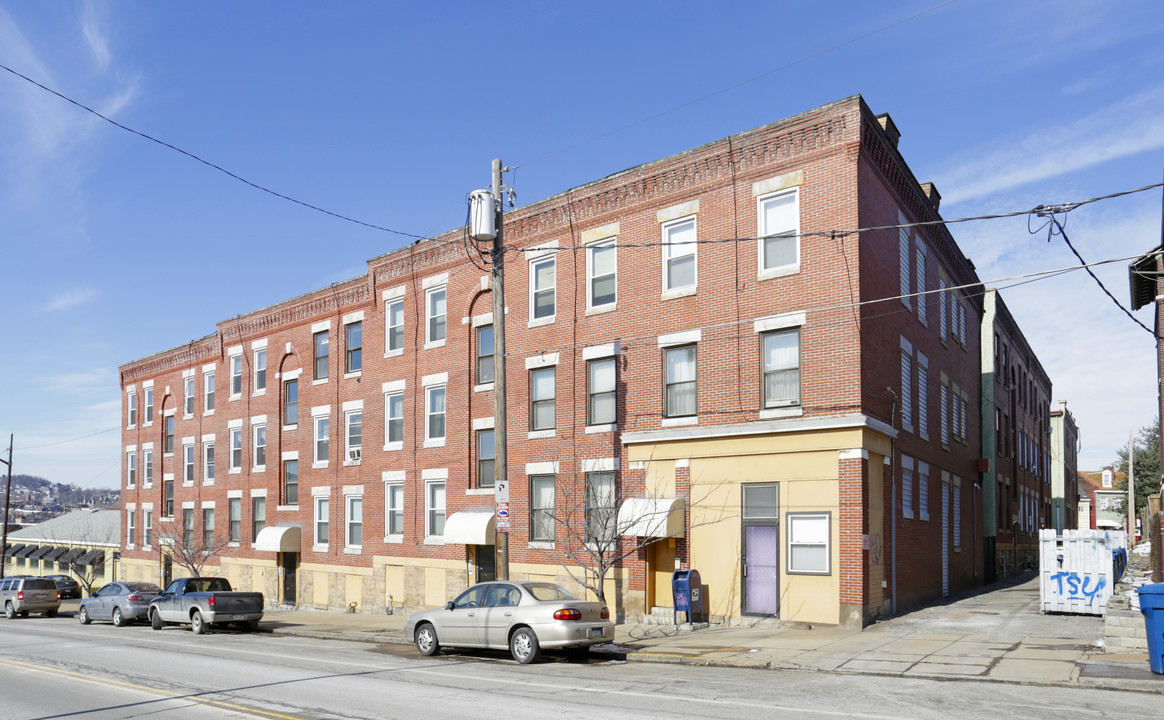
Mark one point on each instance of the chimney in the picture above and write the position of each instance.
(933, 194)
(892, 134)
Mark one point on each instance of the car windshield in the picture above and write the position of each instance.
(39, 584)
(143, 587)
(548, 592)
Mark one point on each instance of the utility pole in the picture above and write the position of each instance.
(500, 484)
(1131, 490)
(7, 493)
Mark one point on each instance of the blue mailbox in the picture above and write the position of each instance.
(687, 590)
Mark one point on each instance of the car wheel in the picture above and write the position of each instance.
(83, 616)
(426, 640)
(118, 619)
(9, 611)
(50, 613)
(524, 647)
(156, 620)
(197, 624)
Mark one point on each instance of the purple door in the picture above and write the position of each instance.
(761, 569)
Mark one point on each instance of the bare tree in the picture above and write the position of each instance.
(189, 549)
(87, 540)
(596, 522)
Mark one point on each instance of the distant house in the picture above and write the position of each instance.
(1106, 500)
(82, 543)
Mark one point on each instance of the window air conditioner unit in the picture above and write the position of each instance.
(354, 454)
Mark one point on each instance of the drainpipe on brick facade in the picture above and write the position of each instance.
(893, 505)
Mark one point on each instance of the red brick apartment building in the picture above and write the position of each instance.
(699, 334)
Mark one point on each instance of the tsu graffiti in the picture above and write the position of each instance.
(1078, 588)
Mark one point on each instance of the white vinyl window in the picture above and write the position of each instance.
(188, 464)
(188, 396)
(394, 334)
(394, 420)
(542, 286)
(149, 406)
(322, 521)
(259, 451)
(680, 386)
(435, 300)
(260, 371)
(353, 522)
(208, 390)
(679, 255)
(208, 462)
(601, 388)
(234, 519)
(353, 434)
(434, 509)
(235, 376)
(542, 399)
(808, 543)
(322, 423)
(354, 347)
(132, 400)
(781, 368)
(394, 512)
(149, 467)
(130, 469)
(779, 244)
(235, 450)
(434, 410)
(541, 514)
(601, 274)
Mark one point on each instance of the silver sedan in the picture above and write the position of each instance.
(521, 616)
(121, 602)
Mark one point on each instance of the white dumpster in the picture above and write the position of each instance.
(1076, 570)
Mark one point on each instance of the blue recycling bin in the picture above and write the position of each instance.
(687, 591)
(1152, 606)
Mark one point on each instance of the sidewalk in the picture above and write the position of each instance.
(885, 649)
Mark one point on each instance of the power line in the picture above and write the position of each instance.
(207, 163)
(741, 83)
(62, 442)
(833, 234)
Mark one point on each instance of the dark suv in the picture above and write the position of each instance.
(67, 585)
(28, 595)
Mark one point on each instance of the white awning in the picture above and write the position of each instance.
(471, 527)
(278, 538)
(651, 518)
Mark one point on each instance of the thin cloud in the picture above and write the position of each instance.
(70, 299)
(94, 37)
(1129, 127)
(81, 383)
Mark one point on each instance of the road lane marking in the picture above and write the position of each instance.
(145, 689)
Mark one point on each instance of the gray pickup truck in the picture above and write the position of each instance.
(203, 602)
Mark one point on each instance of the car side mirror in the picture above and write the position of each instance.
(449, 605)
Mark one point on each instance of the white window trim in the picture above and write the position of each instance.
(791, 518)
(316, 463)
(391, 479)
(684, 290)
(429, 343)
(392, 389)
(353, 549)
(431, 442)
(315, 498)
(430, 539)
(357, 407)
(763, 273)
(255, 444)
(232, 354)
(232, 469)
(389, 298)
(536, 259)
(256, 348)
(606, 242)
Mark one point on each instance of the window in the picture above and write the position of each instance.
(907, 487)
(542, 279)
(188, 396)
(208, 383)
(147, 533)
(541, 515)
(923, 372)
(322, 521)
(234, 506)
(131, 528)
(395, 331)
(353, 421)
(258, 516)
(944, 399)
(903, 259)
(923, 491)
(149, 467)
(291, 482)
(484, 354)
(943, 301)
(601, 398)
(260, 370)
(320, 349)
(354, 524)
(394, 402)
(600, 508)
(808, 543)
(486, 458)
(601, 274)
(921, 283)
(188, 464)
(958, 513)
(235, 376)
(259, 452)
(679, 255)
(207, 528)
(1107, 478)
(169, 436)
(353, 346)
(434, 509)
(394, 492)
(434, 428)
(291, 402)
(132, 409)
(188, 529)
(679, 395)
(235, 449)
(168, 496)
(435, 304)
(781, 359)
(208, 462)
(321, 439)
(542, 413)
(130, 469)
(779, 231)
(149, 405)
(906, 388)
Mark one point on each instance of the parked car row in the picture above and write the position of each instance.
(21, 595)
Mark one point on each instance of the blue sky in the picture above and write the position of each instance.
(115, 247)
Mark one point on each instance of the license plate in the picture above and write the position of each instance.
(594, 632)
(237, 617)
